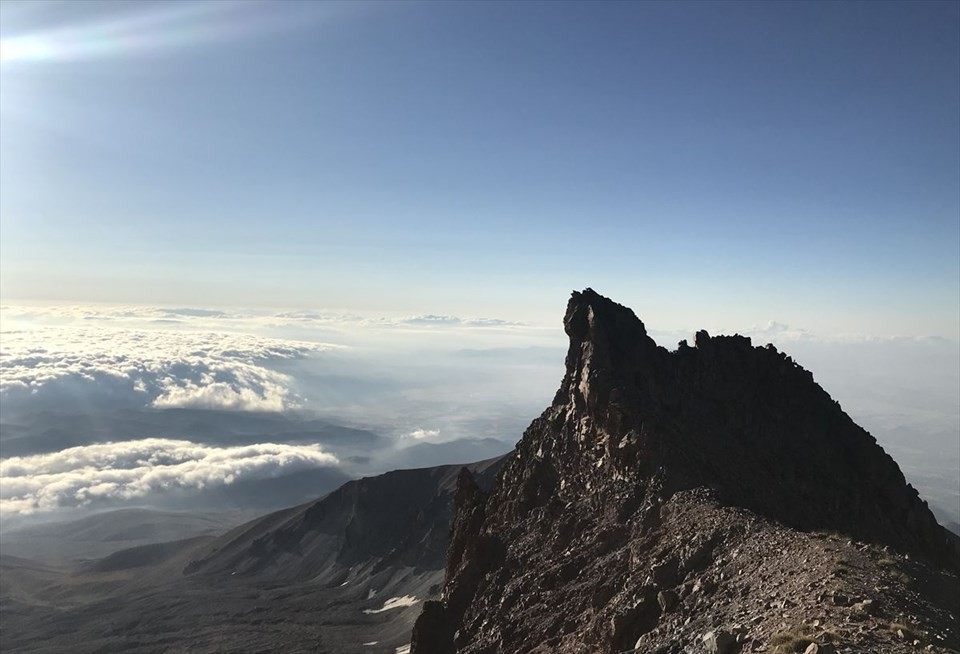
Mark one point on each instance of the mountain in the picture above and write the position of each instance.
(343, 573)
(436, 454)
(101, 534)
(259, 495)
(399, 519)
(708, 499)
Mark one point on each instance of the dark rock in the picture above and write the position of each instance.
(668, 600)
(665, 573)
(628, 625)
(639, 443)
(602, 595)
(705, 585)
(431, 631)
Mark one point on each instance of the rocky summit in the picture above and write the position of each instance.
(713, 498)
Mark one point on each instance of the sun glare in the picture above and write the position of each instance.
(25, 48)
(168, 26)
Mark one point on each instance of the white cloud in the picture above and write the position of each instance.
(777, 332)
(424, 434)
(163, 369)
(431, 319)
(242, 320)
(80, 476)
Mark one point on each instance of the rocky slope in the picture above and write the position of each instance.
(396, 520)
(345, 573)
(713, 498)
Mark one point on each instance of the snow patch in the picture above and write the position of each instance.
(394, 603)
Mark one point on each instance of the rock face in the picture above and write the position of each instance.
(660, 494)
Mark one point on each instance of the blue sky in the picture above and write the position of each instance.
(707, 164)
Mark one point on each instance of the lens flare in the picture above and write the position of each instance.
(25, 47)
(169, 28)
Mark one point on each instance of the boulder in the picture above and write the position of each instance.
(718, 642)
(668, 600)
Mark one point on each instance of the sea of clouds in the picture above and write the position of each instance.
(160, 369)
(402, 377)
(133, 470)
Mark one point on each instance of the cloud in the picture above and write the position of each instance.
(424, 434)
(492, 322)
(162, 369)
(81, 476)
(196, 313)
(424, 320)
(239, 320)
(777, 331)
(431, 320)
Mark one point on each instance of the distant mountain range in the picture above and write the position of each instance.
(50, 431)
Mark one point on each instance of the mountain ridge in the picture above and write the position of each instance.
(346, 572)
(367, 519)
(636, 434)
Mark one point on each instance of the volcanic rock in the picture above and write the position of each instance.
(721, 469)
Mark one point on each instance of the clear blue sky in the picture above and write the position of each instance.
(705, 163)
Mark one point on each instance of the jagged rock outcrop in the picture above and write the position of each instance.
(613, 524)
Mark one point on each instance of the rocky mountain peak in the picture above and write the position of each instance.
(608, 344)
(593, 317)
(747, 422)
(638, 440)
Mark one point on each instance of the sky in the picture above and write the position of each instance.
(372, 215)
(714, 164)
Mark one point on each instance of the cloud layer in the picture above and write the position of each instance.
(162, 369)
(81, 476)
(242, 320)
